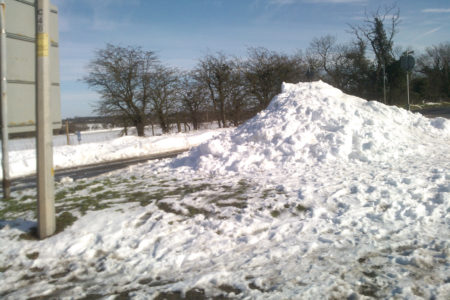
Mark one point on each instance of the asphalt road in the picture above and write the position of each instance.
(443, 112)
(90, 170)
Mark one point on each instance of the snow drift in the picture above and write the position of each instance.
(316, 123)
(336, 198)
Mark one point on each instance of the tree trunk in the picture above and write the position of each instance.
(222, 115)
(140, 127)
(164, 126)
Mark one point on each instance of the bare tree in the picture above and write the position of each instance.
(120, 75)
(237, 101)
(342, 65)
(434, 65)
(163, 90)
(266, 70)
(323, 51)
(194, 97)
(215, 74)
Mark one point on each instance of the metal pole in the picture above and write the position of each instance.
(44, 151)
(407, 87)
(4, 105)
(67, 132)
(384, 83)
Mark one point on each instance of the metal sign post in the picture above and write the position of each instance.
(407, 63)
(44, 151)
(4, 105)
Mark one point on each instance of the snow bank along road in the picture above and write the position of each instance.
(320, 196)
(23, 162)
(92, 170)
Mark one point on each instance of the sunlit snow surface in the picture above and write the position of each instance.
(23, 162)
(322, 195)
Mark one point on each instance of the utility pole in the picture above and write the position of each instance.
(384, 83)
(44, 151)
(4, 104)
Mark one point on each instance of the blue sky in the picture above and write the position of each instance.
(183, 31)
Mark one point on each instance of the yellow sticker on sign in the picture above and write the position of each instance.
(42, 44)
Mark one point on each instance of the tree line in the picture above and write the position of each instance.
(137, 89)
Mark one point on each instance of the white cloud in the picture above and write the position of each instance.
(289, 2)
(436, 10)
(428, 32)
(336, 1)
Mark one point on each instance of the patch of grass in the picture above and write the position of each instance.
(370, 274)
(83, 204)
(253, 286)
(31, 235)
(97, 189)
(33, 255)
(227, 193)
(92, 297)
(79, 187)
(61, 195)
(4, 269)
(64, 220)
(36, 270)
(369, 290)
(176, 295)
(60, 274)
(239, 205)
(301, 208)
(107, 182)
(107, 195)
(272, 193)
(229, 289)
(14, 208)
(168, 208)
(275, 213)
(144, 198)
(145, 281)
(192, 294)
(197, 211)
(26, 197)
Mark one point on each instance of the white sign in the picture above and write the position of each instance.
(21, 65)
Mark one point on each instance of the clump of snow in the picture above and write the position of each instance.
(317, 123)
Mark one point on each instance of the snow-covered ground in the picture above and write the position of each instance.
(322, 195)
(108, 147)
(97, 136)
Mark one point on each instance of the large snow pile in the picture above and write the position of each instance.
(329, 197)
(314, 122)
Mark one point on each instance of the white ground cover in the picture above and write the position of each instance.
(23, 162)
(322, 195)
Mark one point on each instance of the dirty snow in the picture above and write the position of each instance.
(322, 195)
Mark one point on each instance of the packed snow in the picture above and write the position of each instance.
(23, 161)
(322, 195)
